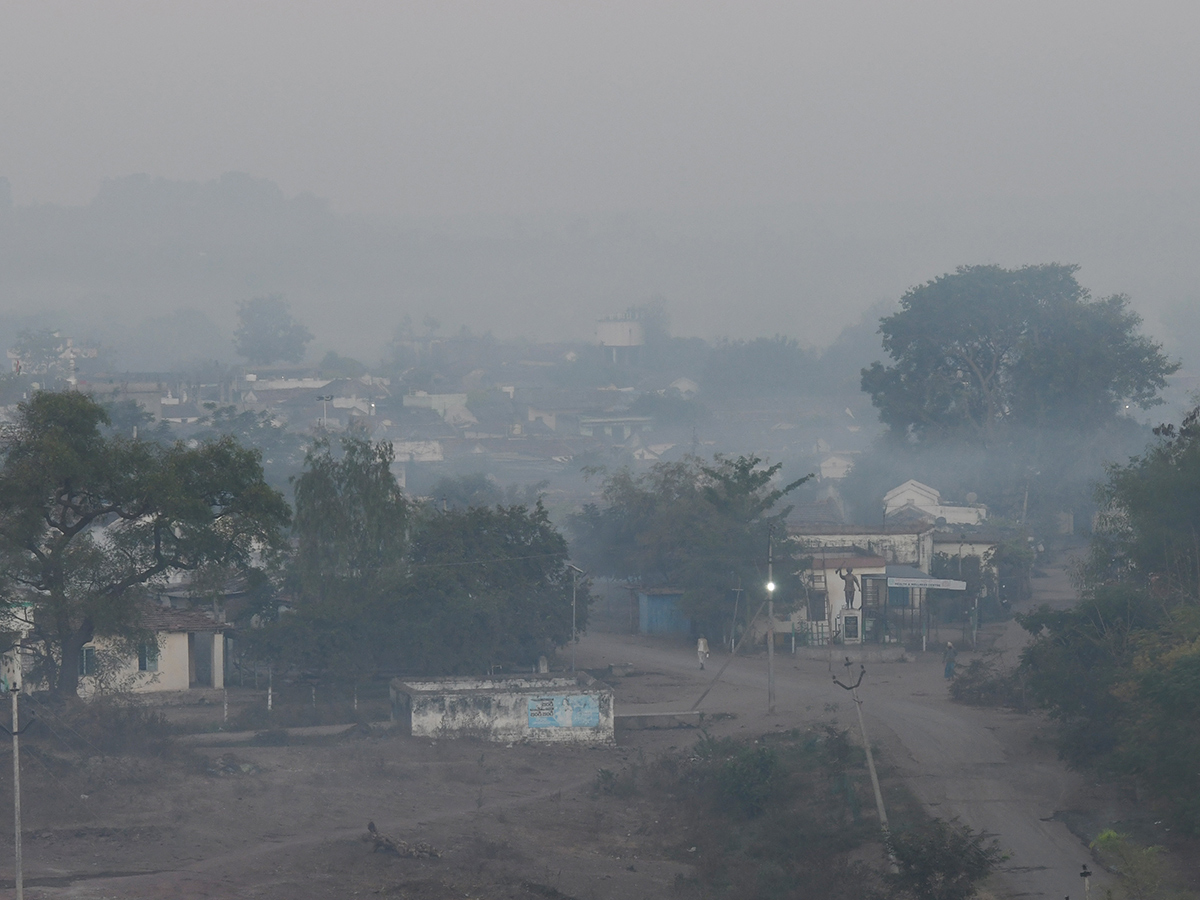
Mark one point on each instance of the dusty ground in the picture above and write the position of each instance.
(524, 822)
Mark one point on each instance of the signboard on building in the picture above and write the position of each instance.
(944, 584)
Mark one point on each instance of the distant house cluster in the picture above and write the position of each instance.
(866, 584)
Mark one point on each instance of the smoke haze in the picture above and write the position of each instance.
(524, 167)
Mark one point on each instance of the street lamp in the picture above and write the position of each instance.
(771, 622)
(575, 573)
(324, 398)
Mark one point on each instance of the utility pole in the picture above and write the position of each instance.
(324, 398)
(770, 622)
(15, 731)
(575, 573)
(862, 725)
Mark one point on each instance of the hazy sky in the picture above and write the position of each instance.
(452, 108)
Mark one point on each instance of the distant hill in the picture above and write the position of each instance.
(146, 248)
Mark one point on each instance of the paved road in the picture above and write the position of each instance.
(983, 766)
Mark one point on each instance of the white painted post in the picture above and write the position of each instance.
(862, 725)
(270, 688)
(16, 736)
(218, 660)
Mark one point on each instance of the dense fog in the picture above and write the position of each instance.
(401, 398)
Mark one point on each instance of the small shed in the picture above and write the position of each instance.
(659, 612)
(530, 708)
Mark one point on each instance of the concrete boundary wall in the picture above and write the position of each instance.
(532, 708)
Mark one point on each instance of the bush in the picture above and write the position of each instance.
(746, 779)
(1142, 869)
(941, 861)
(979, 684)
(767, 819)
(109, 725)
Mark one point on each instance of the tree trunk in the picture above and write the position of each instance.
(67, 683)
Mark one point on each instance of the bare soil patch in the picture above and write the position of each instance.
(264, 820)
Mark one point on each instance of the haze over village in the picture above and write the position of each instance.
(600, 451)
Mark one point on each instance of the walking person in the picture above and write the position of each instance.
(702, 649)
(949, 657)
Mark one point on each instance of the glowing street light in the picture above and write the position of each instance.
(771, 622)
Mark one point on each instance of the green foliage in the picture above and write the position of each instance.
(381, 583)
(1142, 869)
(694, 526)
(491, 585)
(465, 491)
(986, 348)
(124, 416)
(746, 779)
(1013, 559)
(267, 333)
(941, 861)
(351, 519)
(1121, 670)
(775, 818)
(282, 451)
(86, 518)
(1075, 662)
(1152, 506)
(981, 684)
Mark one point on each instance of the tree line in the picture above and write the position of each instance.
(1120, 671)
(357, 579)
(704, 528)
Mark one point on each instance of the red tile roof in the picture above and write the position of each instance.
(164, 618)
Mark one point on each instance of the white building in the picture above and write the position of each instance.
(914, 501)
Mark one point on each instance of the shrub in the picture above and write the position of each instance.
(979, 684)
(941, 861)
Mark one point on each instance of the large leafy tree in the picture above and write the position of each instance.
(1151, 517)
(87, 518)
(487, 585)
(382, 583)
(267, 333)
(985, 347)
(282, 451)
(700, 527)
(1121, 670)
(352, 525)
(941, 861)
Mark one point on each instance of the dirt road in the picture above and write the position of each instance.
(275, 822)
(995, 770)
